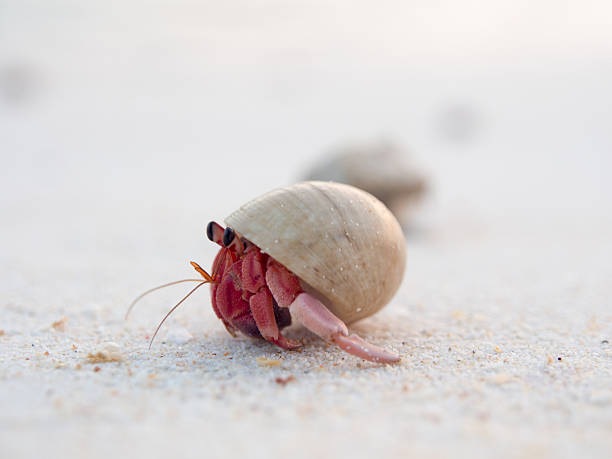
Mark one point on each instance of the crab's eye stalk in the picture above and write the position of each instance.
(210, 228)
(228, 236)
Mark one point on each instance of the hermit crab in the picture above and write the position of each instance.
(322, 253)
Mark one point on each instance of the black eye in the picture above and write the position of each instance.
(209, 230)
(228, 236)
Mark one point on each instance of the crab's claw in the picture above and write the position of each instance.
(313, 314)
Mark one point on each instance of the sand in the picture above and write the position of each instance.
(124, 130)
(505, 345)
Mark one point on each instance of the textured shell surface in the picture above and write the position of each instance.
(346, 247)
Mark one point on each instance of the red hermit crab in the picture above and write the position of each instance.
(324, 254)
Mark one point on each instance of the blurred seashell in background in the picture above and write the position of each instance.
(383, 169)
(19, 82)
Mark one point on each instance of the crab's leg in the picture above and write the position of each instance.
(313, 314)
(261, 300)
(218, 268)
(262, 309)
(234, 310)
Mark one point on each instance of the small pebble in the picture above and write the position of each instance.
(60, 325)
(284, 381)
(265, 362)
(110, 352)
(178, 335)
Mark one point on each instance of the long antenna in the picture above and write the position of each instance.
(176, 306)
(157, 288)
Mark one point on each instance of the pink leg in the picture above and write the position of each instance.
(234, 311)
(311, 313)
(262, 309)
(213, 300)
(223, 261)
(282, 283)
(253, 271)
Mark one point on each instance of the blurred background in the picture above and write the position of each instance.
(137, 111)
(125, 126)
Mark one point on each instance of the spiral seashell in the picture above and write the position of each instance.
(344, 245)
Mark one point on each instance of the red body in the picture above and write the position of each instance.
(251, 291)
(256, 295)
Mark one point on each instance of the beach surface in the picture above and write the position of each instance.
(124, 131)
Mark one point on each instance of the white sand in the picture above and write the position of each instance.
(504, 349)
(138, 126)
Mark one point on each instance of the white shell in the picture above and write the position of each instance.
(344, 244)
